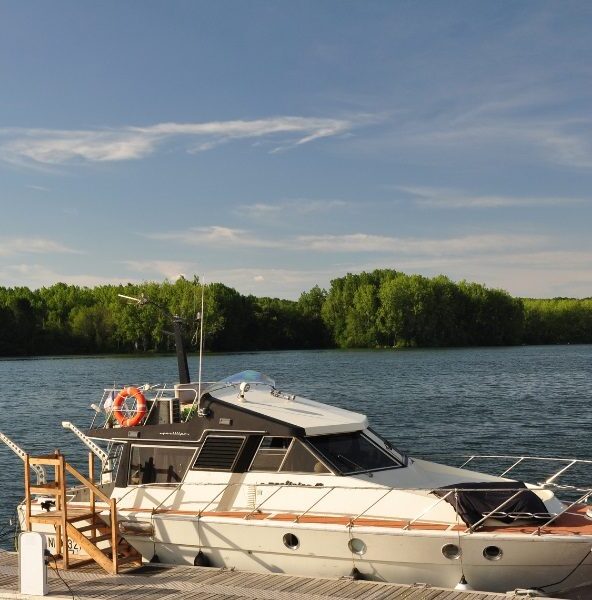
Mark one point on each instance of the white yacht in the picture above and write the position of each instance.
(242, 475)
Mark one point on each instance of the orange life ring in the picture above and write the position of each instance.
(140, 407)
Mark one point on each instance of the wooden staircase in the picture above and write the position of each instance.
(80, 523)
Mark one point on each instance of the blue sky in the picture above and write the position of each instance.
(276, 145)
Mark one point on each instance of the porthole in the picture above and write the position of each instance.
(291, 541)
(451, 551)
(492, 553)
(357, 546)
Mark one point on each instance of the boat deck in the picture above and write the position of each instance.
(153, 582)
(573, 522)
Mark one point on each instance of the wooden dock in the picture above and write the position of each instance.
(153, 582)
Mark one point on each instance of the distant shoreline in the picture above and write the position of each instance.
(380, 309)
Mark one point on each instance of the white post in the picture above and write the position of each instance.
(32, 566)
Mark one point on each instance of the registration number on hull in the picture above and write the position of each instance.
(73, 547)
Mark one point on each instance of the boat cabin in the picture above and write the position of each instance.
(240, 424)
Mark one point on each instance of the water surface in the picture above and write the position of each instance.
(436, 403)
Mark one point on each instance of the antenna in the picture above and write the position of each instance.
(201, 331)
(131, 299)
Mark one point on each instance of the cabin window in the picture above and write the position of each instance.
(353, 453)
(271, 453)
(301, 460)
(219, 452)
(158, 464)
(286, 455)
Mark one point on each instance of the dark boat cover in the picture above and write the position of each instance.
(472, 501)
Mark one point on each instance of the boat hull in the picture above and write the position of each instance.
(401, 556)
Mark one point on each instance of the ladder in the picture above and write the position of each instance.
(102, 544)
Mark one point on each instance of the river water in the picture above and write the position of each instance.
(438, 404)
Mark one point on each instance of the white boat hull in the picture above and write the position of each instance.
(395, 555)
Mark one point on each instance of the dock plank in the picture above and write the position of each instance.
(184, 582)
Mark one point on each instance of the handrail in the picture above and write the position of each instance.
(278, 487)
(560, 472)
(423, 514)
(175, 489)
(566, 464)
(297, 519)
(474, 526)
(258, 508)
(87, 483)
(292, 486)
(520, 459)
(158, 390)
(512, 467)
(371, 506)
(580, 500)
(220, 493)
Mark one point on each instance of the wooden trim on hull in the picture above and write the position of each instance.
(574, 522)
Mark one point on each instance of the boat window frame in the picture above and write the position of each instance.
(177, 447)
(397, 463)
(200, 449)
(293, 440)
(388, 447)
(278, 470)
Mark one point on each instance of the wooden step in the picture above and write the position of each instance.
(96, 553)
(99, 538)
(131, 558)
(75, 512)
(75, 564)
(98, 524)
(83, 517)
(56, 516)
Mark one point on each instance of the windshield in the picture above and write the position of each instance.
(353, 453)
(249, 376)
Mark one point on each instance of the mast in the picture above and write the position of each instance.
(201, 332)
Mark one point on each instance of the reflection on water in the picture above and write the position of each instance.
(434, 403)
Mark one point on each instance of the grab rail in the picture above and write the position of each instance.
(424, 513)
(522, 459)
(276, 489)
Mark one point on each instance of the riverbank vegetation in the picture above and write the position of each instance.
(383, 308)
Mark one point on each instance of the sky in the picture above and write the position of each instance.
(277, 145)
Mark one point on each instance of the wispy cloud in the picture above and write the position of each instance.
(561, 141)
(216, 236)
(57, 146)
(38, 188)
(363, 242)
(18, 245)
(169, 269)
(296, 206)
(448, 198)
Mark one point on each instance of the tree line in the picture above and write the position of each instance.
(384, 308)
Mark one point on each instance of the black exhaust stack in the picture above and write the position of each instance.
(180, 349)
(177, 333)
